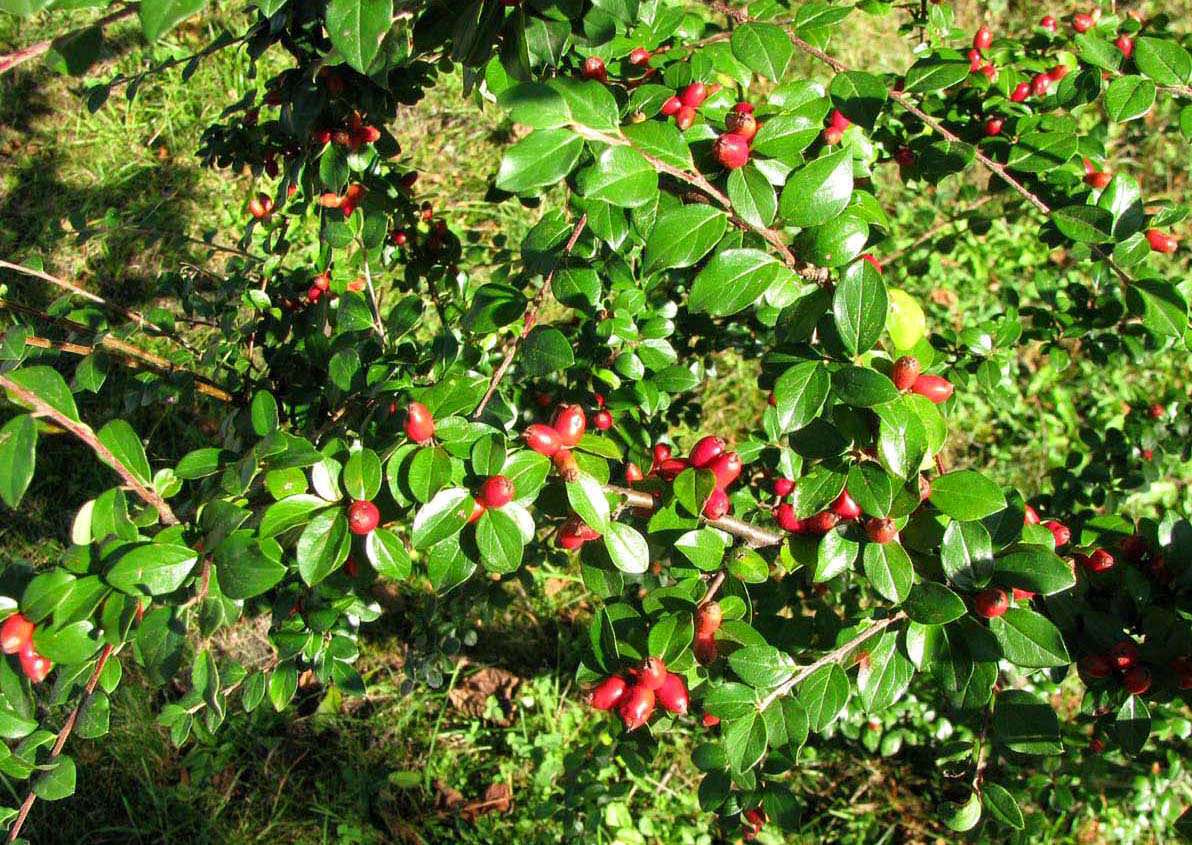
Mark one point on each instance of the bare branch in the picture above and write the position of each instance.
(754, 535)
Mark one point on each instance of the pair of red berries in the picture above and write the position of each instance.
(733, 147)
(557, 439)
(1095, 178)
(906, 376)
(837, 124)
(602, 419)
(843, 508)
(635, 702)
(707, 622)
(260, 206)
(684, 105)
(982, 40)
(16, 637)
(574, 533)
(345, 202)
(1097, 562)
(1123, 658)
(356, 134)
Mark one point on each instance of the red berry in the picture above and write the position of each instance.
(1030, 516)
(975, 60)
(1182, 667)
(1082, 22)
(33, 664)
(603, 420)
(705, 649)
(717, 505)
(1134, 547)
(662, 452)
(726, 468)
(1059, 532)
(420, 424)
(732, 150)
(671, 106)
(1157, 410)
(608, 692)
(832, 136)
(1021, 91)
(936, 388)
(881, 530)
(636, 707)
(991, 603)
(706, 450)
(1126, 44)
(990, 71)
(1058, 72)
(685, 118)
(1096, 666)
(566, 464)
(672, 695)
(1160, 241)
(669, 469)
(1023, 595)
(741, 123)
(639, 56)
(496, 492)
(570, 422)
(783, 486)
(1040, 84)
(1099, 561)
(363, 517)
(837, 120)
(651, 673)
(708, 619)
(313, 294)
(994, 125)
(905, 372)
(1123, 654)
(784, 515)
(1049, 23)
(904, 157)
(694, 95)
(983, 39)
(321, 281)
(743, 108)
(593, 68)
(633, 473)
(574, 532)
(260, 206)
(756, 817)
(1137, 680)
(821, 523)
(400, 237)
(1098, 180)
(542, 439)
(14, 633)
(845, 506)
(710, 721)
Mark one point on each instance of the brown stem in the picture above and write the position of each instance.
(713, 588)
(530, 319)
(836, 655)
(754, 536)
(10, 60)
(63, 734)
(84, 433)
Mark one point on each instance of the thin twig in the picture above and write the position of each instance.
(10, 60)
(530, 319)
(84, 433)
(63, 734)
(713, 588)
(376, 303)
(836, 655)
(754, 536)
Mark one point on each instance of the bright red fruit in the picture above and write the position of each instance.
(662, 452)
(321, 281)
(1096, 666)
(726, 468)
(783, 486)
(608, 692)
(708, 619)
(905, 372)
(16, 631)
(639, 56)
(991, 603)
(1160, 241)
(671, 106)
(990, 71)
(1098, 179)
(33, 664)
(709, 721)
(363, 517)
(1049, 23)
(543, 439)
(496, 492)
(784, 515)
(669, 469)
(994, 125)
(694, 95)
(1021, 91)
(881, 530)
(313, 294)
(1099, 561)
(260, 206)
(1156, 410)
(593, 68)
(741, 123)
(845, 506)
(1059, 532)
(974, 57)
(672, 695)
(983, 39)
(636, 707)
(706, 450)
(705, 649)
(1082, 22)
(732, 150)
(685, 118)
(1137, 680)
(1040, 84)
(1030, 516)
(574, 532)
(832, 136)
(822, 522)
(570, 421)
(603, 420)
(743, 108)
(633, 473)
(1058, 72)
(1096, 746)
(717, 505)
(651, 673)
(1123, 654)
(420, 425)
(936, 388)
(1022, 595)
(837, 120)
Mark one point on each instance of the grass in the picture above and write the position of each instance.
(418, 768)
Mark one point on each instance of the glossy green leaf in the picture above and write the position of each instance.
(819, 191)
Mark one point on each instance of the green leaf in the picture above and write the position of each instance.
(704, 547)
(620, 176)
(752, 196)
(660, 140)
(693, 487)
(588, 500)
(243, 570)
(731, 701)
(443, 516)
(536, 105)
(862, 387)
(859, 96)
(935, 74)
(819, 191)
(1162, 307)
(962, 816)
(1122, 198)
(387, 554)
(323, 546)
(1132, 725)
(824, 693)
(288, 513)
(884, 678)
(799, 394)
(362, 475)
(683, 236)
(1038, 152)
(23, 8)
(429, 472)
(889, 570)
(966, 554)
(18, 457)
(816, 490)
(1163, 60)
(871, 488)
(152, 568)
(541, 159)
(763, 48)
(356, 28)
(67, 645)
(627, 548)
(733, 280)
(160, 16)
(931, 603)
(998, 801)
(966, 495)
(199, 464)
(763, 667)
(745, 741)
(58, 781)
(1128, 98)
(1029, 639)
(1084, 223)
(546, 350)
(859, 307)
(1034, 567)
(49, 387)
(264, 413)
(834, 555)
(1025, 724)
(1096, 51)
(126, 447)
(500, 541)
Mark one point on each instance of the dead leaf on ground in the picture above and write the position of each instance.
(498, 798)
(471, 693)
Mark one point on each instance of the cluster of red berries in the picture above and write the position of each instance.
(843, 509)
(557, 439)
(733, 146)
(710, 453)
(1138, 551)
(707, 623)
(906, 376)
(635, 700)
(321, 285)
(603, 418)
(345, 202)
(353, 136)
(16, 637)
(982, 40)
(1122, 658)
(639, 57)
(685, 105)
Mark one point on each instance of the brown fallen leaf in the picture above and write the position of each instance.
(470, 694)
